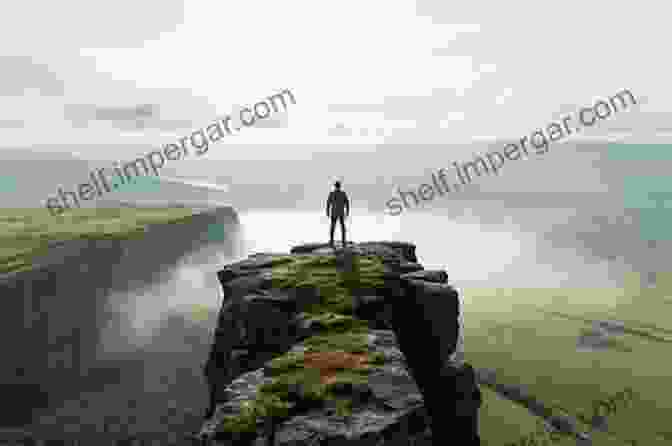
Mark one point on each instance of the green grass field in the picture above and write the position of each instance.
(25, 233)
(522, 334)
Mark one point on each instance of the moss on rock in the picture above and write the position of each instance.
(335, 359)
(332, 276)
(331, 364)
(333, 323)
(264, 405)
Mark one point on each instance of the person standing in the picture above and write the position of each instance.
(338, 208)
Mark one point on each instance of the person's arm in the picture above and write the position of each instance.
(347, 205)
(329, 200)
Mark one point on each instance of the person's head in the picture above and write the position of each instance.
(337, 185)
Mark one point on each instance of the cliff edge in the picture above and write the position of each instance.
(355, 345)
(56, 309)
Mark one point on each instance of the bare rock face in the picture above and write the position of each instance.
(404, 323)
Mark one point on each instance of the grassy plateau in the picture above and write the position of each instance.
(26, 233)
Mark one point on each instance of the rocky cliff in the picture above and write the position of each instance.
(339, 346)
(51, 316)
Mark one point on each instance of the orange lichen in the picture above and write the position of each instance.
(331, 362)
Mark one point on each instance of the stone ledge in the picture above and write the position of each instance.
(401, 314)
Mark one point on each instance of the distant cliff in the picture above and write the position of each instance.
(51, 316)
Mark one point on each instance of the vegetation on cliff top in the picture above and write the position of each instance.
(325, 372)
(335, 278)
(334, 360)
(26, 233)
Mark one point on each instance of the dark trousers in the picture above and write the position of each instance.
(341, 219)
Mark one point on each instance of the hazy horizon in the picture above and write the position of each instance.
(385, 94)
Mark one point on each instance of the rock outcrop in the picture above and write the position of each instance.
(352, 346)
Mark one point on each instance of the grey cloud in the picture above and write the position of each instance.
(404, 107)
(20, 73)
(164, 109)
(11, 124)
(125, 113)
(272, 122)
(364, 108)
(407, 107)
(138, 117)
(174, 124)
(443, 52)
(634, 120)
(76, 23)
(141, 124)
(339, 130)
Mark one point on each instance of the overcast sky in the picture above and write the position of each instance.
(424, 71)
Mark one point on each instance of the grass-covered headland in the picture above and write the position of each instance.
(26, 233)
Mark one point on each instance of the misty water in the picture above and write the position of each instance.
(148, 380)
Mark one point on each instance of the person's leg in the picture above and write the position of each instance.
(331, 230)
(342, 221)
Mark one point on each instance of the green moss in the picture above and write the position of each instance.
(281, 260)
(289, 369)
(334, 323)
(246, 421)
(343, 407)
(264, 405)
(285, 363)
(293, 383)
(347, 376)
(276, 399)
(334, 282)
(286, 385)
(377, 358)
(303, 385)
(350, 342)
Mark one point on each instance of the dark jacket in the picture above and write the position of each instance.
(338, 203)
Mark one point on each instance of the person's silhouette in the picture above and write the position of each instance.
(338, 208)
